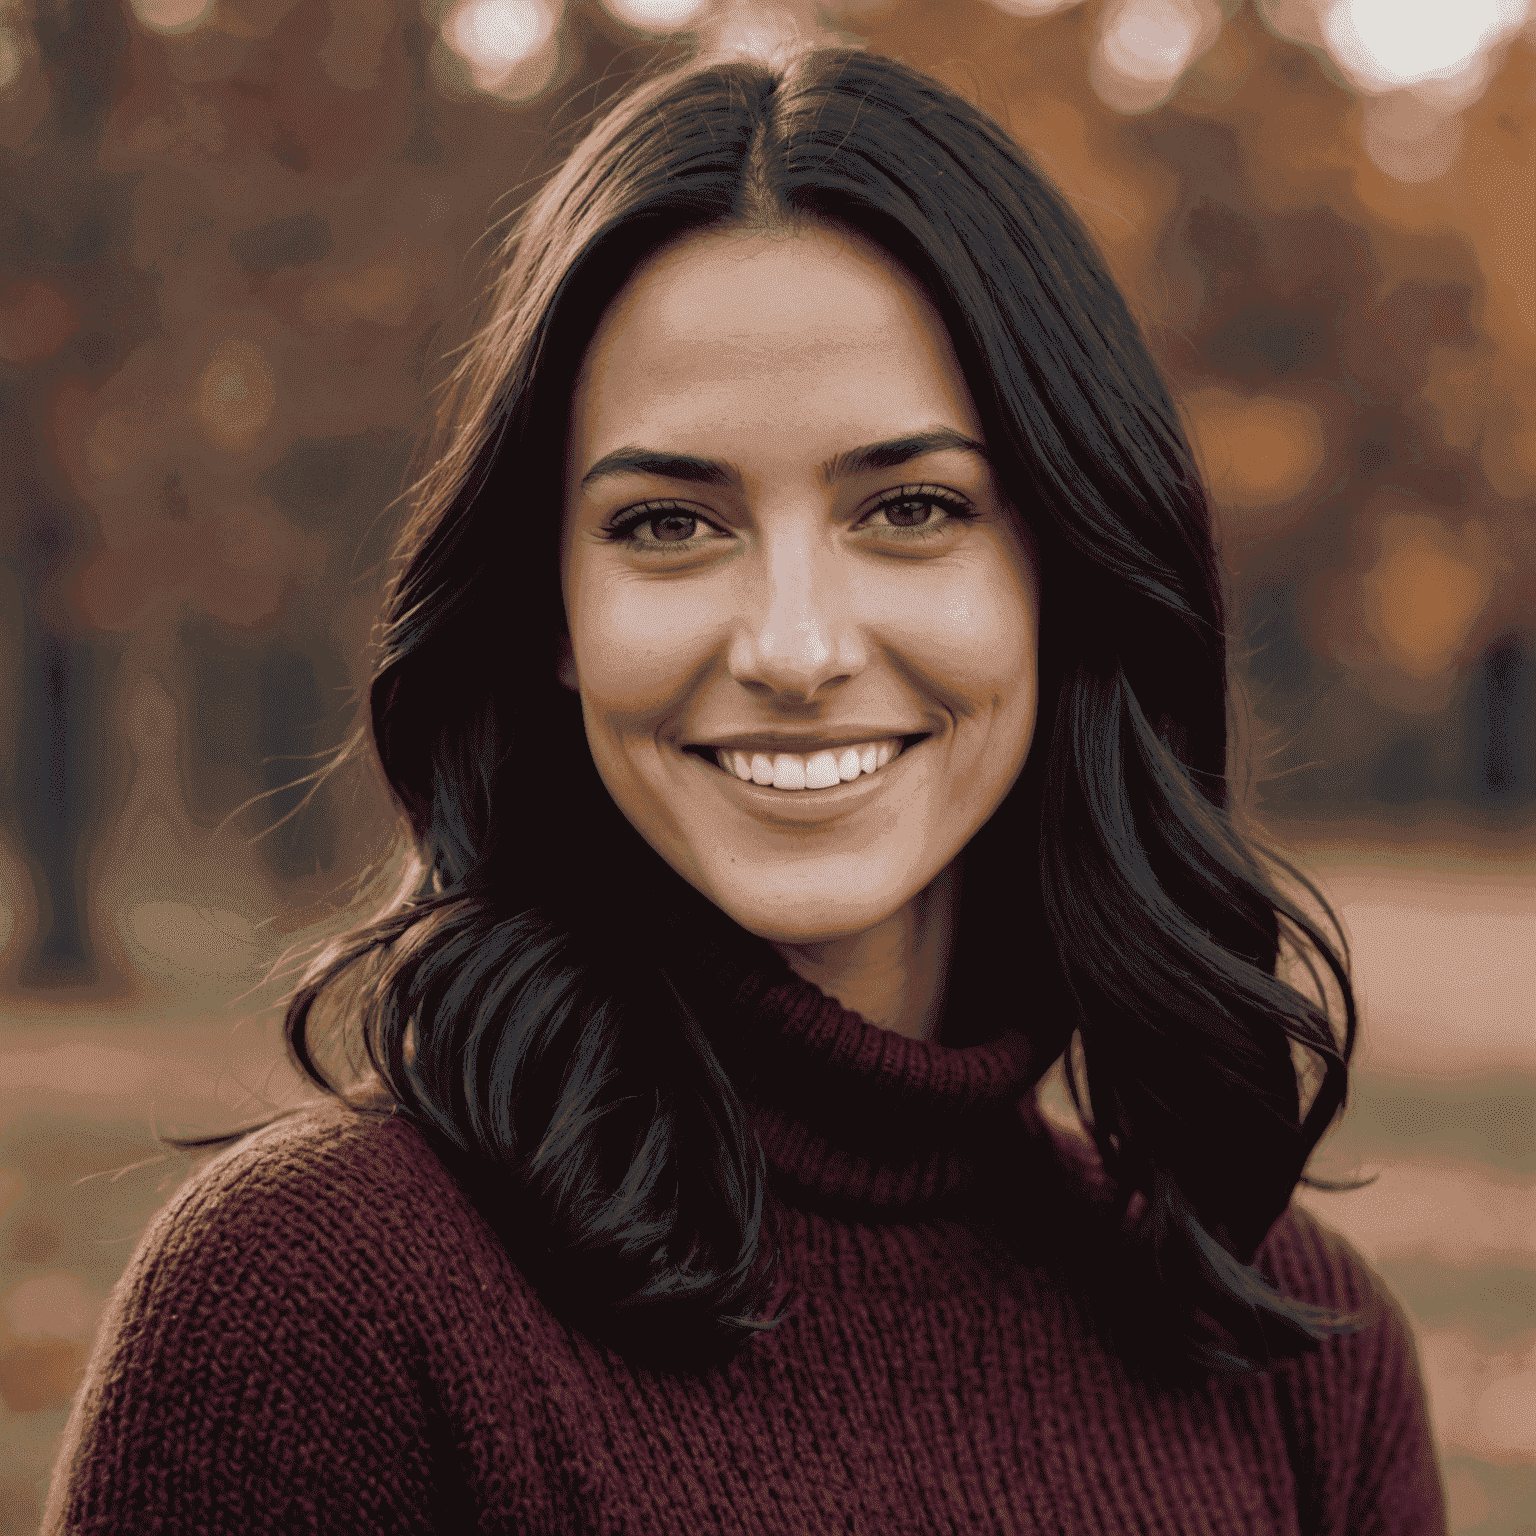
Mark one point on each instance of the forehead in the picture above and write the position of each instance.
(818, 330)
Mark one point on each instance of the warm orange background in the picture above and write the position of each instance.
(238, 236)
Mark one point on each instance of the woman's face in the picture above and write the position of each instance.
(778, 544)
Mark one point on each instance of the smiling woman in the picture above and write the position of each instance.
(844, 576)
(805, 686)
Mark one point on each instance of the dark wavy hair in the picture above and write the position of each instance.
(525, 1001)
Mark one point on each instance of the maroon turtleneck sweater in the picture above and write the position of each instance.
(321, 1333)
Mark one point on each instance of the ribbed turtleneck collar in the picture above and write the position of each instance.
(847, 1111)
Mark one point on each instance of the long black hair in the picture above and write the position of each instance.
(525, 1002)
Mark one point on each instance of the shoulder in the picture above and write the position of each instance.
(284, 1318)
(323, 1143)
(1311, 1261)
(325, 1207)
(321, 1172)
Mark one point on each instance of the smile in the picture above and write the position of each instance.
(814, 774)
(808, 770)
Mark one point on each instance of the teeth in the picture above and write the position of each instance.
(816, 770)
(788, 770)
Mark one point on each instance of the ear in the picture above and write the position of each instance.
(565, 665)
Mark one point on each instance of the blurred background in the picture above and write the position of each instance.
(236, 239)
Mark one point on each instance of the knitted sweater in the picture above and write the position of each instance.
(320, 1332)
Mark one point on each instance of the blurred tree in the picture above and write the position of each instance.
(1502, 758)
(76, 313)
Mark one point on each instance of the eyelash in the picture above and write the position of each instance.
(619, 530)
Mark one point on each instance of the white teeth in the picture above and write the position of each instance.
(816, 770)
(820, 771)
(788, 771)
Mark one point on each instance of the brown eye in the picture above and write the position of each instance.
(673, 527)
(912, 512)
(908, 514)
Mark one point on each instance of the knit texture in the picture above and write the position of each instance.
(321, 1333)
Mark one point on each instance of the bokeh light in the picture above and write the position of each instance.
(1144, 46)
(1257, 453)
(494, 37)
(1425, 592)
(172, 15)
(1387, 43)
(1152, 39)
(656, 15)
(236, 393)
(1416, 63)
(763, 31)
(11, 58)
(1407, 139)
(1032, 7)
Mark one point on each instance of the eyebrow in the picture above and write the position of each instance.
(856, 461)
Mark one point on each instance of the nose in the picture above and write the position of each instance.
(797, 631)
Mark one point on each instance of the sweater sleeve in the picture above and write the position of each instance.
(254, 1370)
(1356, 1413)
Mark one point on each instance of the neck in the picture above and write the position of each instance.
(894, 974)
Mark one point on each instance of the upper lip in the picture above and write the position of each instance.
(803, 741)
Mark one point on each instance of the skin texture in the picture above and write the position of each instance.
(794, 604)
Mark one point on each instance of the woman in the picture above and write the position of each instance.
(806, 686)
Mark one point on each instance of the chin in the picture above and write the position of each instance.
(796, 920)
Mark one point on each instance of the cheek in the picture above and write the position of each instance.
(637, 646)
(981, 638)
